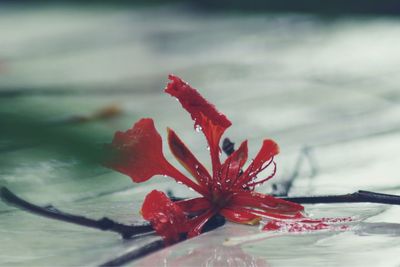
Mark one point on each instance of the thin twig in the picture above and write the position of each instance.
(104, 224)
(283, 187)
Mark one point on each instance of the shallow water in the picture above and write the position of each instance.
(329, 84)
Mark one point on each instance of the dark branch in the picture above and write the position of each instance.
(104, 224)
(135, 254)
(357, 197)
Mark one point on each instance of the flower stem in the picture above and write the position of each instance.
(104, 224)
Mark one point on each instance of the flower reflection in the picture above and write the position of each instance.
(205, 256)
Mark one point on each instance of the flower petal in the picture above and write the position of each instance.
(167, 218)
(205, 115)
(240, 216)
(187, 159)
(268, 150)
(270, 214)
(265, 203)
(138, 152)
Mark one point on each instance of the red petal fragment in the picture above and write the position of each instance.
(205, 115)
(167, 218)
(265, 203)
(240, 216)
(268, 150)
(194, 205)
(187, 159)
(301, 226)
(139, 152)
(232, 166)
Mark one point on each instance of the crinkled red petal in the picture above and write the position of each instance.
(205, 115)
(240, 216)
(194, 103)
(167, 218)
(268, 150)
(265, 203)
(138, 152)
(187, 159)
(194, 205)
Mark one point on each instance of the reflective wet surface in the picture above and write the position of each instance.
(329, 84)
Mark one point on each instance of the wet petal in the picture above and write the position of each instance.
(138, 152)
(167, 218)
(265, 203)
(240, 216)
(205, 115)
(187, 159)
(270, 214)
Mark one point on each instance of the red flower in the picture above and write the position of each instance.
(228, 190)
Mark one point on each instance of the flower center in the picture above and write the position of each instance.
(220, 200)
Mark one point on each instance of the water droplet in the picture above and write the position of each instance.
(208, 148)
(198, 128)
(162, 217)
